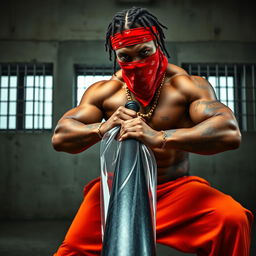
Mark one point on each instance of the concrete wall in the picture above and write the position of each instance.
(187, 20)
(37, 182)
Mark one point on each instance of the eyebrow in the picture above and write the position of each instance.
(145, 47)
(141, 49)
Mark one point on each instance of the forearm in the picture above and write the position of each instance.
(214, 135)
(72, 136)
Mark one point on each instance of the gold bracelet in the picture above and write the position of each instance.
(98, 130)
(164, 138)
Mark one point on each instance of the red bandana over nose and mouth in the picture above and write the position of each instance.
(142, 77)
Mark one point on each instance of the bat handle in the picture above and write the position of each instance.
(132, 105)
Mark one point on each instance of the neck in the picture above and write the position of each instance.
(153, 104)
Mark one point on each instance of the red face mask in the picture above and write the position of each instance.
(142, 77)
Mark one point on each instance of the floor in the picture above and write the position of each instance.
(42, 238)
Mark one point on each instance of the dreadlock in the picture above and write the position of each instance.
(133, 18)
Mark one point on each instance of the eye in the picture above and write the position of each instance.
(145, 52)
(124, 58)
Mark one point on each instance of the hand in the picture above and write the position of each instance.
(119, 116)
(138, 129)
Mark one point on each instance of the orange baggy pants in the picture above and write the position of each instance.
(191, 217)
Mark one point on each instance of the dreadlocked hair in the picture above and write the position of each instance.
(133, 18)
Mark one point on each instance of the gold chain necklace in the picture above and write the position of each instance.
(154, 105)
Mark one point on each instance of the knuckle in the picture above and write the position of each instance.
(139, 122)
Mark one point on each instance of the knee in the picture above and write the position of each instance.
(235, 220)
(232, 216)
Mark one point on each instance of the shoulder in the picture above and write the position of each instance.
(99, 91)
(174, 70)
(192, 87)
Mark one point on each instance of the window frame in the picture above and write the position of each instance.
(22, 71)
(83, 70)
(243, 74)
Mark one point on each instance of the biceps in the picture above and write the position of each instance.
(201, 110)
(86, 114)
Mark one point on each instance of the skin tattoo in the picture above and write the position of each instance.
(209, 131)
(150, 133)
(165, 118)
(209, 106)
(169, 133)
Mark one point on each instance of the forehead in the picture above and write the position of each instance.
(136, 47)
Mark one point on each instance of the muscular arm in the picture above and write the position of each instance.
(77, 128)
(215, 129)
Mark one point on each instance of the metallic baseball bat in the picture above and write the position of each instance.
(129, 227)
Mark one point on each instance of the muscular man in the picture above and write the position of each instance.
(178, 114)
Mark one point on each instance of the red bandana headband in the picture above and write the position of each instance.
(132, 36)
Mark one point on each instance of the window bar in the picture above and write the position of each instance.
(8, 93)
(238, 108)
(244, 109)
(84, 74)
(94, 72)
(207, 71)
(83, 86)
(217, 81)
(25, 98)
(198, 70)
(226, 79)
(0, 87)
(189, 69)
(18, 118)
(38, 101)
(208, 74)
(39, 97)
(74, 85)
(19, 110)
(253, 98)
(44, 100)
(34, 91)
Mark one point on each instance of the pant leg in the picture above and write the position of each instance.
(84, 234)
(191, 217)
(194, 217)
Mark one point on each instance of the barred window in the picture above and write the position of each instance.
(85, 76)
(234, 85)
(26, 96)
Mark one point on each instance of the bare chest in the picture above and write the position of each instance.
(171, 111)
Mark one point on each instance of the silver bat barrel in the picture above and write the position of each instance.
(129, 228)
